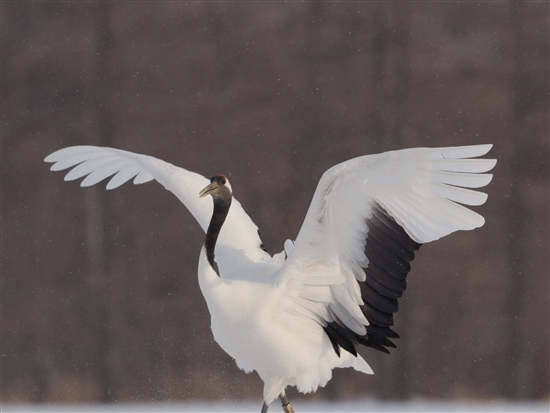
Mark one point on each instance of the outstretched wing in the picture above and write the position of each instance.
(348, 265)
(238, 243)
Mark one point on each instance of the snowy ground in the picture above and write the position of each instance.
(300, 407)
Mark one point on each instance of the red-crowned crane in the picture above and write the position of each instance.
(295, 316)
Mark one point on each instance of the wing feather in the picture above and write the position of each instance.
(466, 180)
(367, 218)
(123, 176)
(463, 165)
(143, 177)
(65, 163)
(107, 169)
(88, 167)
(457, 194)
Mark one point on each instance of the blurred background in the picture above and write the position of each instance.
(100, 300)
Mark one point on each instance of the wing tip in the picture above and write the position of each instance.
(485, 147)
(480, 221)
(480, 150)
(55, 156)
(465, 151)
(69, 151)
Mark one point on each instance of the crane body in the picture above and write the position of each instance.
(295, 316)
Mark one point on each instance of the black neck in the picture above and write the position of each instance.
(221, 208)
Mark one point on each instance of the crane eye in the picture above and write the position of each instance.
(223, 181)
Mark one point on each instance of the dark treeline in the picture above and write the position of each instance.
(100, 300)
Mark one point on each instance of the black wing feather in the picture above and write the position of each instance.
(389, 250)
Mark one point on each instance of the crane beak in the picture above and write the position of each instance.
(213, 187)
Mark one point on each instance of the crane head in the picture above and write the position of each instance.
(219, 187)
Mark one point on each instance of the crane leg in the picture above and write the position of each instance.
(287, 407)
(264, 408)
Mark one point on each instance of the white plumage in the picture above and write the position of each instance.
(274, 314)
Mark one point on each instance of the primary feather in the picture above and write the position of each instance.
(295, 320)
